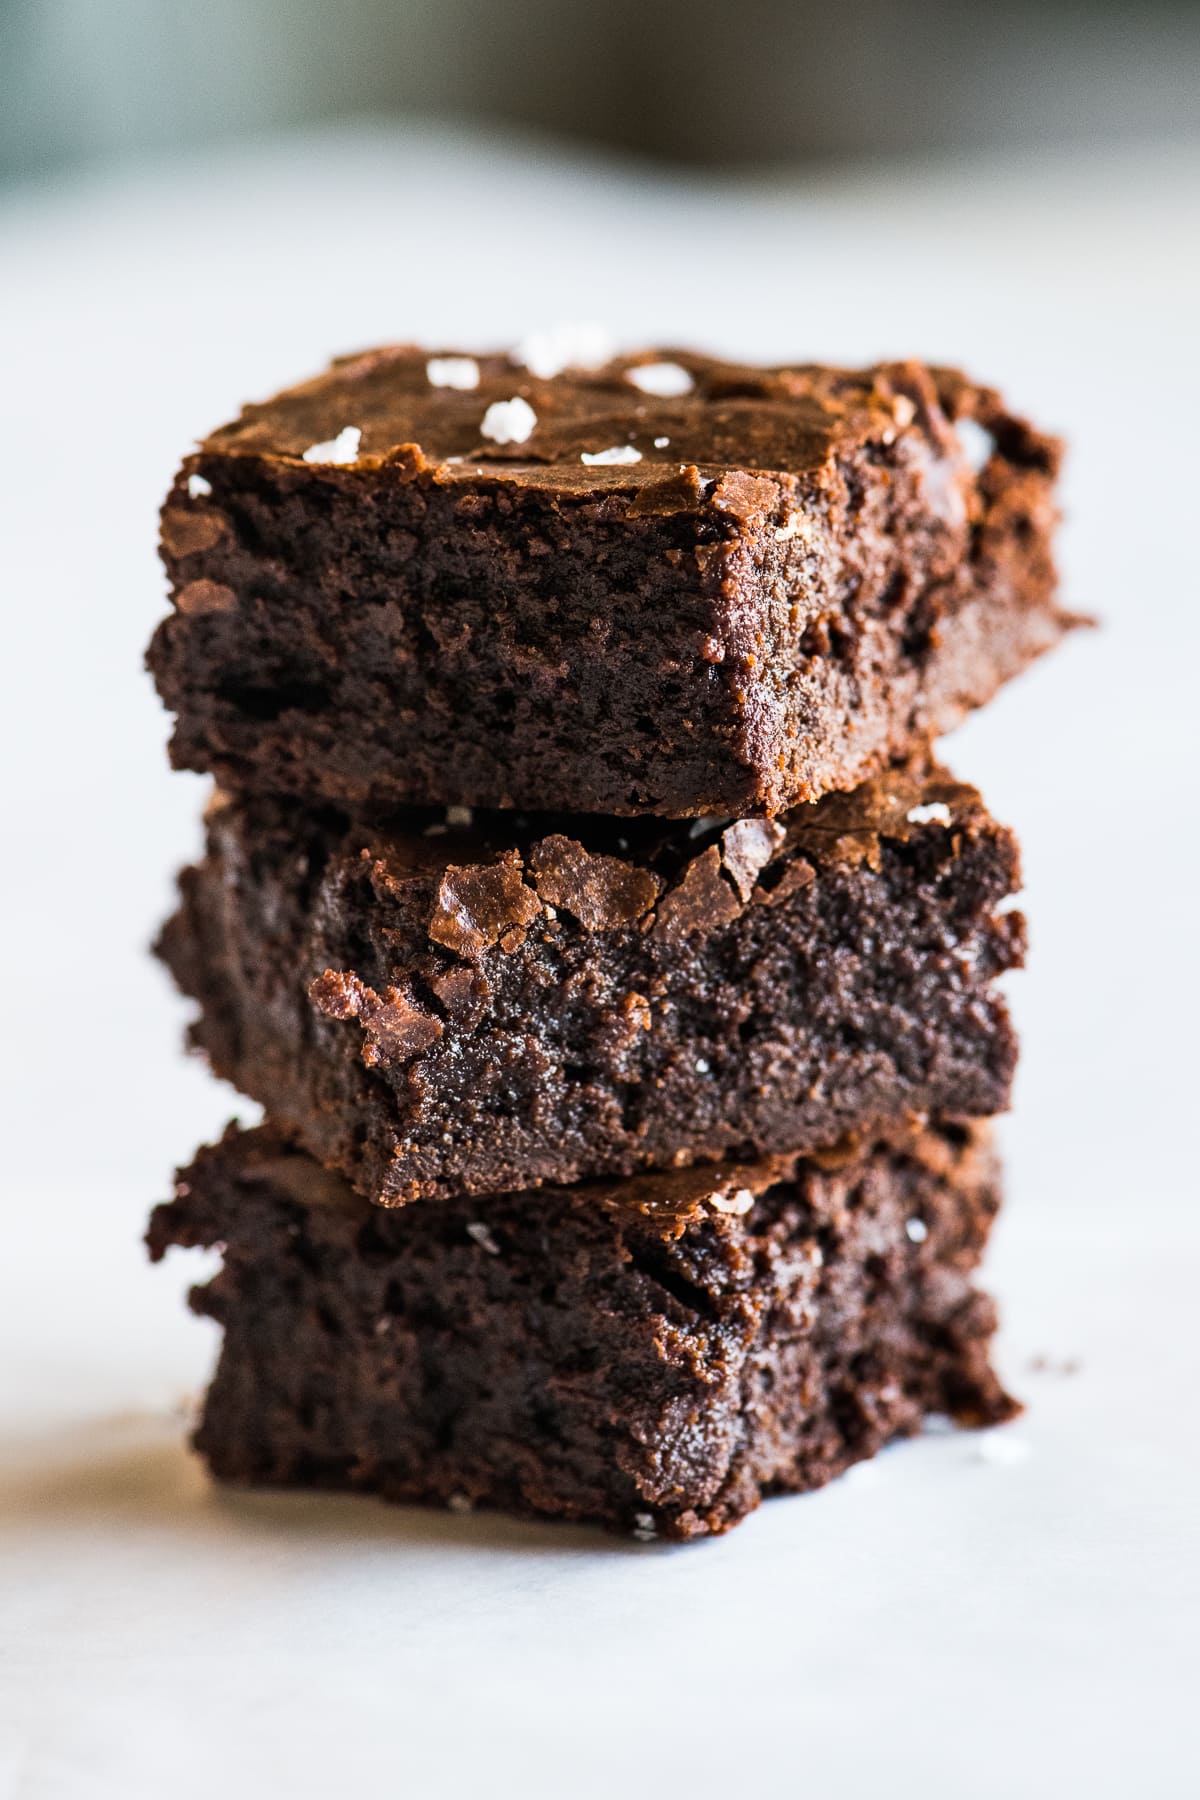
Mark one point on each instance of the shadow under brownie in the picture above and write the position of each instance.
(654, 1355)
(729, 598)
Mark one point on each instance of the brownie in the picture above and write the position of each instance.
(439, 1006)
(669, 585)
(655, 1355)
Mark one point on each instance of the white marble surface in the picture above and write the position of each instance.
(938, 1625)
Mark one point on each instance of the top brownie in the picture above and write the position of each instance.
(667, 585)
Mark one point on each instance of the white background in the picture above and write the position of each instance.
(937, 1625)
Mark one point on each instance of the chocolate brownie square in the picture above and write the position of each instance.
(669, 585)
(442, 1004)
(654, 1355)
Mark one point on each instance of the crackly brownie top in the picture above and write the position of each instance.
(652, 422)
(481, 891)
(664, 1203)
(672, 875)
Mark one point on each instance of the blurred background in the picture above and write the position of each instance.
(200, 203)
(696, 81)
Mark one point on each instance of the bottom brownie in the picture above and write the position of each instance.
(654, 1354)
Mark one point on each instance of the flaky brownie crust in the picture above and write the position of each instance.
(804, 572)
(442, 1006)
(655, 1356)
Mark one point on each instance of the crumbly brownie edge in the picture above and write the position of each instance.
(497, 650)
(458, 1011)
(653, 1364)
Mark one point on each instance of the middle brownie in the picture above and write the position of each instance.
(475, 1005)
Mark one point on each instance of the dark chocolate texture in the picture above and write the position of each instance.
(436, 1007)
(655, 1355)
(806, 572)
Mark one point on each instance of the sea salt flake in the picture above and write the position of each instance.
(735, 1204)
(661, 443)
(917, 1230)
(977, 443)
(702, 1065)
(509, 421)
(620, 453)
(452, 372)
(341, 449)
(936, 813)
(483, 1237)
(547, 353)
(644, 1529)
(665, 380)
(460, 815)
(198, 487)
(1001, 1449)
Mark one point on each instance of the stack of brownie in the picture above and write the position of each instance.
(582, 903)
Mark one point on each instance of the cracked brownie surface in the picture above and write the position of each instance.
(731, 591)
(434, 1005)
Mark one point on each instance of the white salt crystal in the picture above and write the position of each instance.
(452, 372)
(341, 449)
(736, 1204)
(665, 380)
(548, 353)
(509, 421)
(620, 453)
